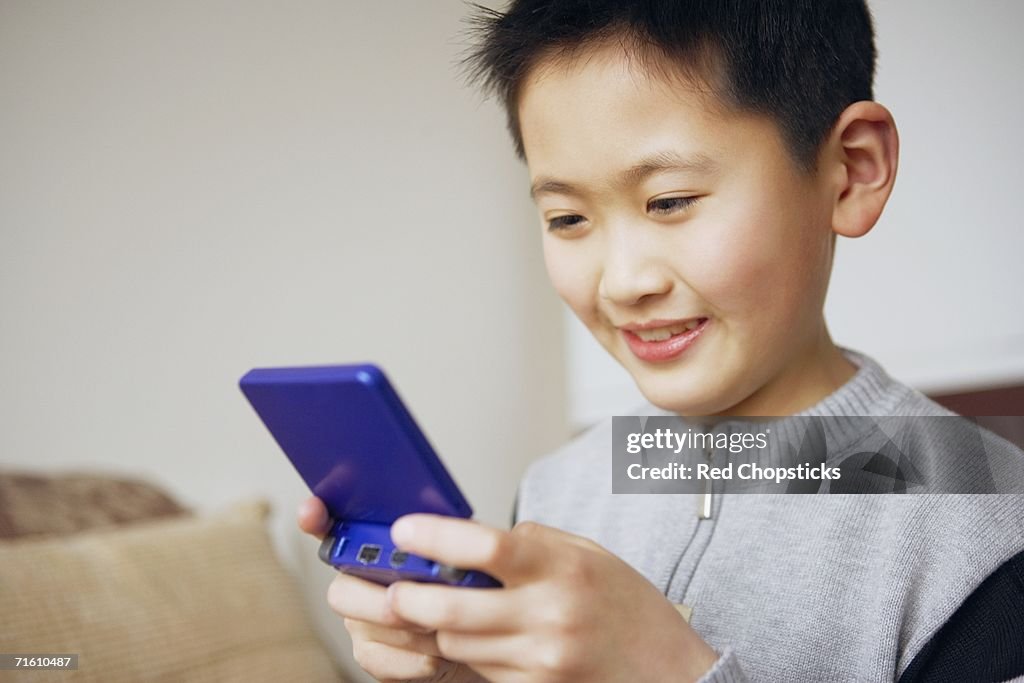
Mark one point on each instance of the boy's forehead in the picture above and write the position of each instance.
(607, 110)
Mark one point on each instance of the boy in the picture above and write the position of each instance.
(692, 163)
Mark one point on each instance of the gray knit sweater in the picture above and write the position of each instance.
(788, 587)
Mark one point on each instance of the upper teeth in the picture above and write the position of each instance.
(663, 333)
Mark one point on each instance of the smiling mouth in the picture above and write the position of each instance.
(665, 342)
(663, 333)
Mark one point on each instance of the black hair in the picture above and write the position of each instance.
(799, 62)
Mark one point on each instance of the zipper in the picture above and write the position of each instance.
(706, 498)
(701, 537)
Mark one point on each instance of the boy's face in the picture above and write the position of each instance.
(663, 211)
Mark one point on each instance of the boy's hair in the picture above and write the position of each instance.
(799, 62)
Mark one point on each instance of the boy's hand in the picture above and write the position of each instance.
(313, 518)
(387, 647)
(569, 611)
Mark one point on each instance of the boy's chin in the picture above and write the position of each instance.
(683, 399)
(679, 400)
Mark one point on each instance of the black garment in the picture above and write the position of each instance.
(984, 639)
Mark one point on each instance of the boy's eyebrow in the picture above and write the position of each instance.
(658, 162)
(668, 160)
(546, 185)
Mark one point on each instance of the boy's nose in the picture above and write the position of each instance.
(633, 272)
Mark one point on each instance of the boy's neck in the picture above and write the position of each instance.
(815, 373)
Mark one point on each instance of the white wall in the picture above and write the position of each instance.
(191, 189)
(934, 291)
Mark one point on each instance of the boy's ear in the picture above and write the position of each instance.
(863, 152)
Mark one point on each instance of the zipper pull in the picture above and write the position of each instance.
(704, 502)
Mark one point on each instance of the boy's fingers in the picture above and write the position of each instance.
(403, 639)
(453, 608)
(478, 649)
(356, 598)
(387, 663)
(313, 518)
(469, 545)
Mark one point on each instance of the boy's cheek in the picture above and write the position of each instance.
(574, 279)
(758, 263)
(734, 270)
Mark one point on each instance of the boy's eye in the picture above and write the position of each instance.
(566, 222)
(666, 205)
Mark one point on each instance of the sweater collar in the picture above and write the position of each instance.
(871, 392)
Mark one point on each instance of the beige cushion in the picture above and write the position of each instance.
(196, 599)
(36, 504)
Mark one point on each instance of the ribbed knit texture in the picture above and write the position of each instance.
(796, 587)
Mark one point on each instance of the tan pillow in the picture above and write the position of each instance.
(36, 504)
(196, 599)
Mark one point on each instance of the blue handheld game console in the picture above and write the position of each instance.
(357, 447)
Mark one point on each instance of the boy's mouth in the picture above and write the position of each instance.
(663, 340)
